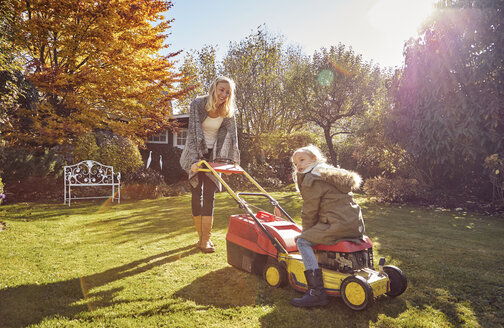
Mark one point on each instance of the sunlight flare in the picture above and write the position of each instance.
(400, 18)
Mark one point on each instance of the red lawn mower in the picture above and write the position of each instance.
(264, 244)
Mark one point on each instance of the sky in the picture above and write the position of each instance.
(376, 29)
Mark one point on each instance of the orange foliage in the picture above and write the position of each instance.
(96, 64)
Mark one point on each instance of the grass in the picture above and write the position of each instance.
(135, 265)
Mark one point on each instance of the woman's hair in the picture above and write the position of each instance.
(228, 108)
(310, 150)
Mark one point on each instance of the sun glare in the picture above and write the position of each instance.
(400, 18)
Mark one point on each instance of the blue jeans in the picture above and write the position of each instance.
(306, 249)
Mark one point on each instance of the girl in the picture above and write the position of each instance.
(329, 214)
(211, 134)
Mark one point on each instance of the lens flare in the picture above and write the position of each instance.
(106, 204)
(338, 68)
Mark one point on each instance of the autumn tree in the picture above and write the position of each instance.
(331, 89)
(96, 65)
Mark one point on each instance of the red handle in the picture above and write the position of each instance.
(265, 216)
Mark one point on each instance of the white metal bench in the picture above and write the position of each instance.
(91, 174)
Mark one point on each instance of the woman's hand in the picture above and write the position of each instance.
(194, 167)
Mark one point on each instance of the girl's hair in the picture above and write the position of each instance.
(228, 108)
(310, 150)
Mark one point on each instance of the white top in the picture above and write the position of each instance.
(210, 128)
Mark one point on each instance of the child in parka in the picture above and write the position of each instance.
(328, 215)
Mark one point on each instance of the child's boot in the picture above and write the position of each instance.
(315, 295)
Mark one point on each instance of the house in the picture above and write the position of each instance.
(165, 149)
(170, 139)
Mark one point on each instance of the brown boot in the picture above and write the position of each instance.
(197, 224)
(206, 244)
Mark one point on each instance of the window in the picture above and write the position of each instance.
(179, 139)
(160, 138)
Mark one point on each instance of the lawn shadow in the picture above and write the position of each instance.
(230, 287)
(224, 288)
(159, 219)
(28, 212)
(150, 220)
(30, 304)
(153, 220)
(335, 314)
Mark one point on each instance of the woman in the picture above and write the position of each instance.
(211, 134)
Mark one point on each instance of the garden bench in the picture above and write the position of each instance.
(91, 174)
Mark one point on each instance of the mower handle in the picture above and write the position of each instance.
(223, 160)
(241, 202)
(273, 201)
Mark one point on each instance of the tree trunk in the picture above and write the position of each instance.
(330, 146)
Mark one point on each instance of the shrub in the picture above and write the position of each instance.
(36, 188)
(17, 164)
(109, 149)
(86, 149)
(265, 175)
(494, 167)
(268, 160)
(121, 153)
(144, 183)
(2, 195)
(394, 189)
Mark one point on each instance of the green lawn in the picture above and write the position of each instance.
(135, 265)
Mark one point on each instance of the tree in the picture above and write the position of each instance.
(368, 150)
(332, 88)
(258, 64)
(449, 99)
(199, 70)
(95, 64)
(10, 77)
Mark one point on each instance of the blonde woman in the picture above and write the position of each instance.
(211, 134)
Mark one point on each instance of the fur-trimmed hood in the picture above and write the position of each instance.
(329, 212)
(342, 179)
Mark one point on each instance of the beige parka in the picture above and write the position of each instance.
(329, 212)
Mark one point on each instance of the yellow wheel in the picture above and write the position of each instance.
(356, 292)
(275, 274)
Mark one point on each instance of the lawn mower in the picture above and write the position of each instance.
(264, 243)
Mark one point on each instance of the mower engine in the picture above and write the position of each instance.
(345, 262)
(346, 256)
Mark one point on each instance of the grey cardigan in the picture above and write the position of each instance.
(225, 146)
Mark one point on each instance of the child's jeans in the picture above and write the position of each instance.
(306, 249)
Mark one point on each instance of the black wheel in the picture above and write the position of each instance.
(356, 292)
(398, 281)
(275, 274)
